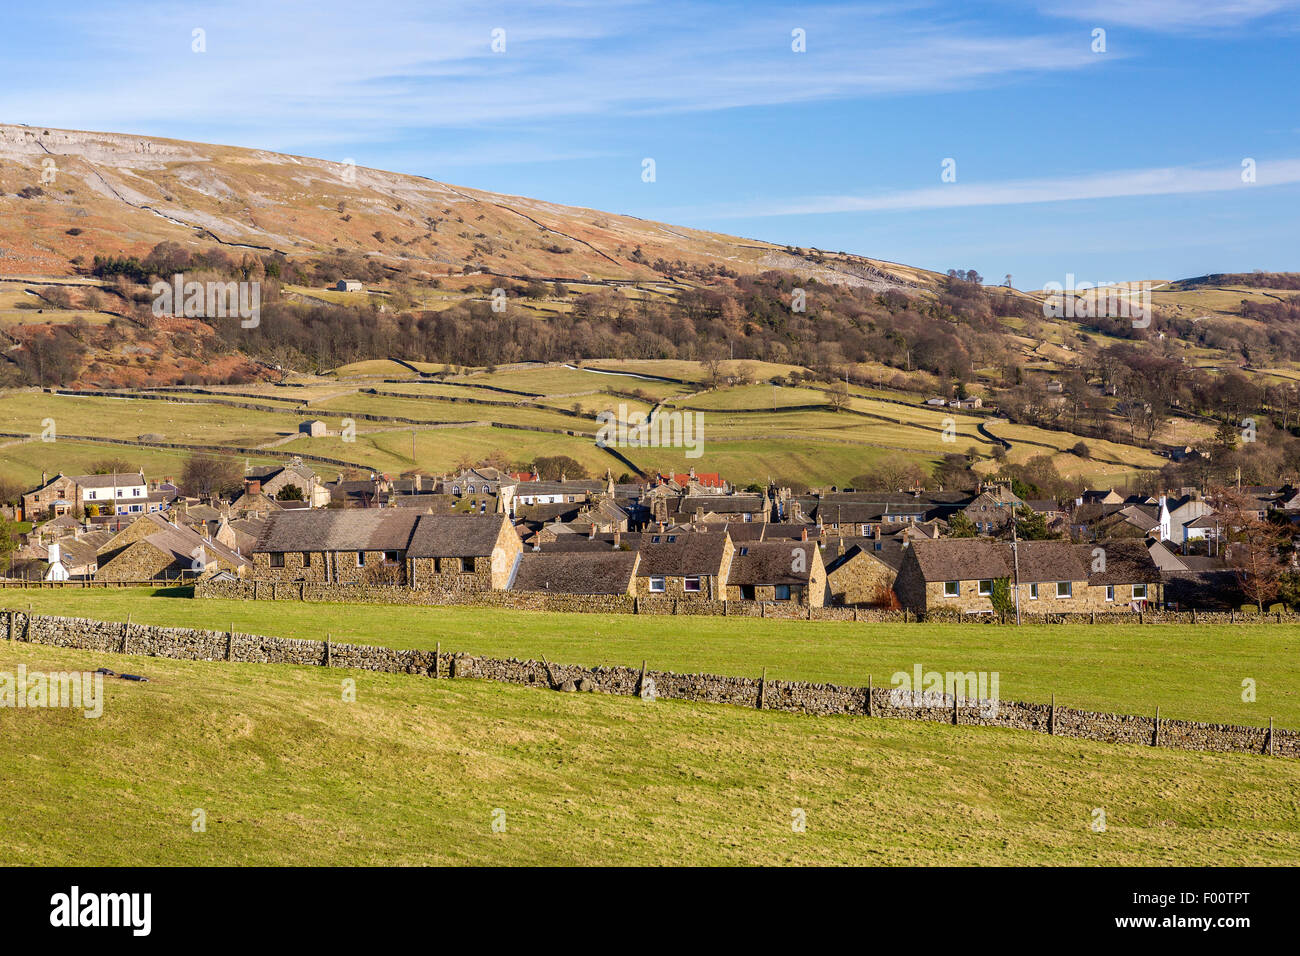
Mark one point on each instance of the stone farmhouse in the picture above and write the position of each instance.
(578, 572)
(152, 547)
(388, 546)
(1054, 576)
(778, 571)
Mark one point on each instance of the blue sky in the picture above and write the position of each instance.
(1114, 165)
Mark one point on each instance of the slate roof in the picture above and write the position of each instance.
(723, 504)
(182, 542)
(576, 572)
(109, 481)
(975, 559)
(369, 529)
(1127, 562)
(771, 562)
(692, 553)
(455, 536)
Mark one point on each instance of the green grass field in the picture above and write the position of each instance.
(744, 437)
(414, 771)
(1194, 674)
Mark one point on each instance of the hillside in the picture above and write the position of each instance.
(483, 310)
(124, 194)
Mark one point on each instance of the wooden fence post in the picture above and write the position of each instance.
(327, 648)
(437, 659)
(1270, 737)
(956, 714)
(230, 641)
(126, 633)
(1157, 740)
(762, 689)
(870, 705)
(1051, 718)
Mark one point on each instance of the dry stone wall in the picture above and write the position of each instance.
(659, 604)
(790, 696)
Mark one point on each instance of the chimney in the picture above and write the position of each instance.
(803, 533)
(54, 552)
(417, 482)
(252, 486)
(592, 535)
(618, 539)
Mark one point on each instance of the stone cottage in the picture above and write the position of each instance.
(778, 571)
(1055, 576)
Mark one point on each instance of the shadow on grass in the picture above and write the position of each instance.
(176, 591)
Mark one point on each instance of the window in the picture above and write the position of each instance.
(654, 539)
(744, 551)
(391, 557)
(951, 588)
(1064, 589)
(455, 489)
(748, 516)
(1110, 592)
(361, 559)
(467, 565)
(277, 559)
(783, 592)
(986, 588)
(747, 592)
(690, 584)
(471, 489)
(306, 559)
(1033, 592)
(879, 546)
(866, 530)
(1140, 591)
(672, 538)
(657, 585)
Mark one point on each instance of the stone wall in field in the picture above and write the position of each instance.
(792, 696)
(660, 604)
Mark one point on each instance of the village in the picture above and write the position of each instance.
(691, 538)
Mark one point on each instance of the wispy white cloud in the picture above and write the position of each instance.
(1163, 181)
(276, 75)
(1170, 15)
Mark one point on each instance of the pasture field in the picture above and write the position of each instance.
(414, 771)
(24, 461)
(1190, 673)
(745, 437)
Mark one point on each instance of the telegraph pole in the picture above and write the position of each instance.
(1015, 559)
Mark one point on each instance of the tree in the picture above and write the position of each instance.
(553, 467)
(837, 396)
(110, 466)
(1252, 548)
(960, 526)
(8, 542)
(1004, 604)
(1032, 525)
(207, 476)
(289, 493)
